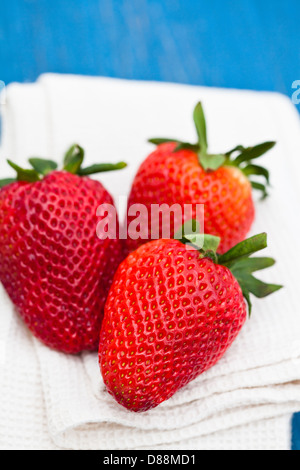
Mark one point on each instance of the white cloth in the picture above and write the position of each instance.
(54, 401)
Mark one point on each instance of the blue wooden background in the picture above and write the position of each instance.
(253, 44)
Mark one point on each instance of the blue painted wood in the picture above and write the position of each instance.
(252, 44)
(296, 432)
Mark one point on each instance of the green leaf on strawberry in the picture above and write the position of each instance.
(100, 168)
(240, 156)
(7, 181)
(251, 153)
(41, 166)
(29, 176)
(238, 260)
(260, 187)
(72, 163)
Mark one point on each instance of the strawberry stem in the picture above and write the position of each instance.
(240, 156)
(200, 124)
(73, 159)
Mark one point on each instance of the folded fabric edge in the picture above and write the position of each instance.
(88, 438)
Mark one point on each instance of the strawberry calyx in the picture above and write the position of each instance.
(72, 163)
(238, 259)
(240, 157)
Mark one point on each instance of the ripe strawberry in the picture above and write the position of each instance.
(171, 314)
(182, 173)
(53, 266)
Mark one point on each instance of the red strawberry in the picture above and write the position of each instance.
(171, 314)
(182, 173)
(53, 266)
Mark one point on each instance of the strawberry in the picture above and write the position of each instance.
(172, 312)
(53, 266)
(183, 173)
